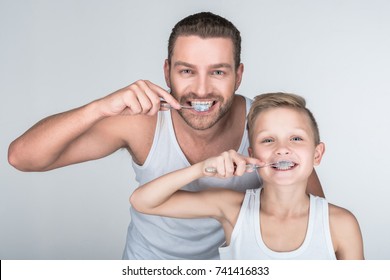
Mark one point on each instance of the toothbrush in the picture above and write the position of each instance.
(197, 107)
(250, 167)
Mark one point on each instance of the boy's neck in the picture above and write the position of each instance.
(284, 201)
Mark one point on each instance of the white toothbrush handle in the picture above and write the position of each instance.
(248, 167)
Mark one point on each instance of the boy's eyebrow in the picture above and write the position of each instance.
(295, 130)
(218, 65)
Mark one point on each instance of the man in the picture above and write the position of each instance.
(203, 68)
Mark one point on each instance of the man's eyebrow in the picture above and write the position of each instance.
(182, 63)
(221, 65)
(218, 65)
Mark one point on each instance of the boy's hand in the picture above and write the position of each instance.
(229, 164)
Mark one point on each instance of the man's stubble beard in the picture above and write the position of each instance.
(203, 122)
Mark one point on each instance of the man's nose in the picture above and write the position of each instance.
(202, 85)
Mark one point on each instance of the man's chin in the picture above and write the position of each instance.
(199, 124)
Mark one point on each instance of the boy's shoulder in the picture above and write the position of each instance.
(345, 231)
(342, 221)
(337, 212)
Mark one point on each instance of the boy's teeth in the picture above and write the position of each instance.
(283, 165)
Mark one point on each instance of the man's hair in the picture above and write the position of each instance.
(266, 101)
(206, 25)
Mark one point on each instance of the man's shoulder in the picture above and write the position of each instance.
(243, 98)
(242, 101)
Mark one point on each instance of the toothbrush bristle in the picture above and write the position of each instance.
(283, 164)
(201, 106)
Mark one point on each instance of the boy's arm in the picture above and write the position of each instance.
(163, 196)
(346, 235)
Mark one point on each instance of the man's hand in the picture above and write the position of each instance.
(141, 97)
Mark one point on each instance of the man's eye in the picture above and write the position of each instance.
(186, 71)
(218, 72)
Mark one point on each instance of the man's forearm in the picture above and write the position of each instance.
(42, 144)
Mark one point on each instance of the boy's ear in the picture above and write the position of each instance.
(318, 153)
(250, 152)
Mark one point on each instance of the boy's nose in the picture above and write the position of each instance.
(283, 150)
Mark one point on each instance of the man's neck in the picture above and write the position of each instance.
(224, 135)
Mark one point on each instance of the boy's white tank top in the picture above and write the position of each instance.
(247, 242)
(155, 237)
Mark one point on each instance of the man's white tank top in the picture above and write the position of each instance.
(247, 242)
(155, 237)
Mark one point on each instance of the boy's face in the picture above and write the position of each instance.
(285, 134)
(203, 70)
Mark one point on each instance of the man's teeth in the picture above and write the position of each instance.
(201, 106)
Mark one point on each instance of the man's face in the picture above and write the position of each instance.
(202, 70)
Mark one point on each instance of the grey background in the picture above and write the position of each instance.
(57, 55)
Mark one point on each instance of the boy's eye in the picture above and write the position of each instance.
(267, 140)
(296, 138)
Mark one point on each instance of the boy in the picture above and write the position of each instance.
(279, 220)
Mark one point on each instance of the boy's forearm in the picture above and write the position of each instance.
(158, 191)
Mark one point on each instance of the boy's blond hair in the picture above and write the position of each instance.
(266, 101)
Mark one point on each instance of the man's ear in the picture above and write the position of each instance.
(239, 72)
(318, 153)
(166, 73)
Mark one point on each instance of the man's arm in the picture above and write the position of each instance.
(89, 132)
(314, 185)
